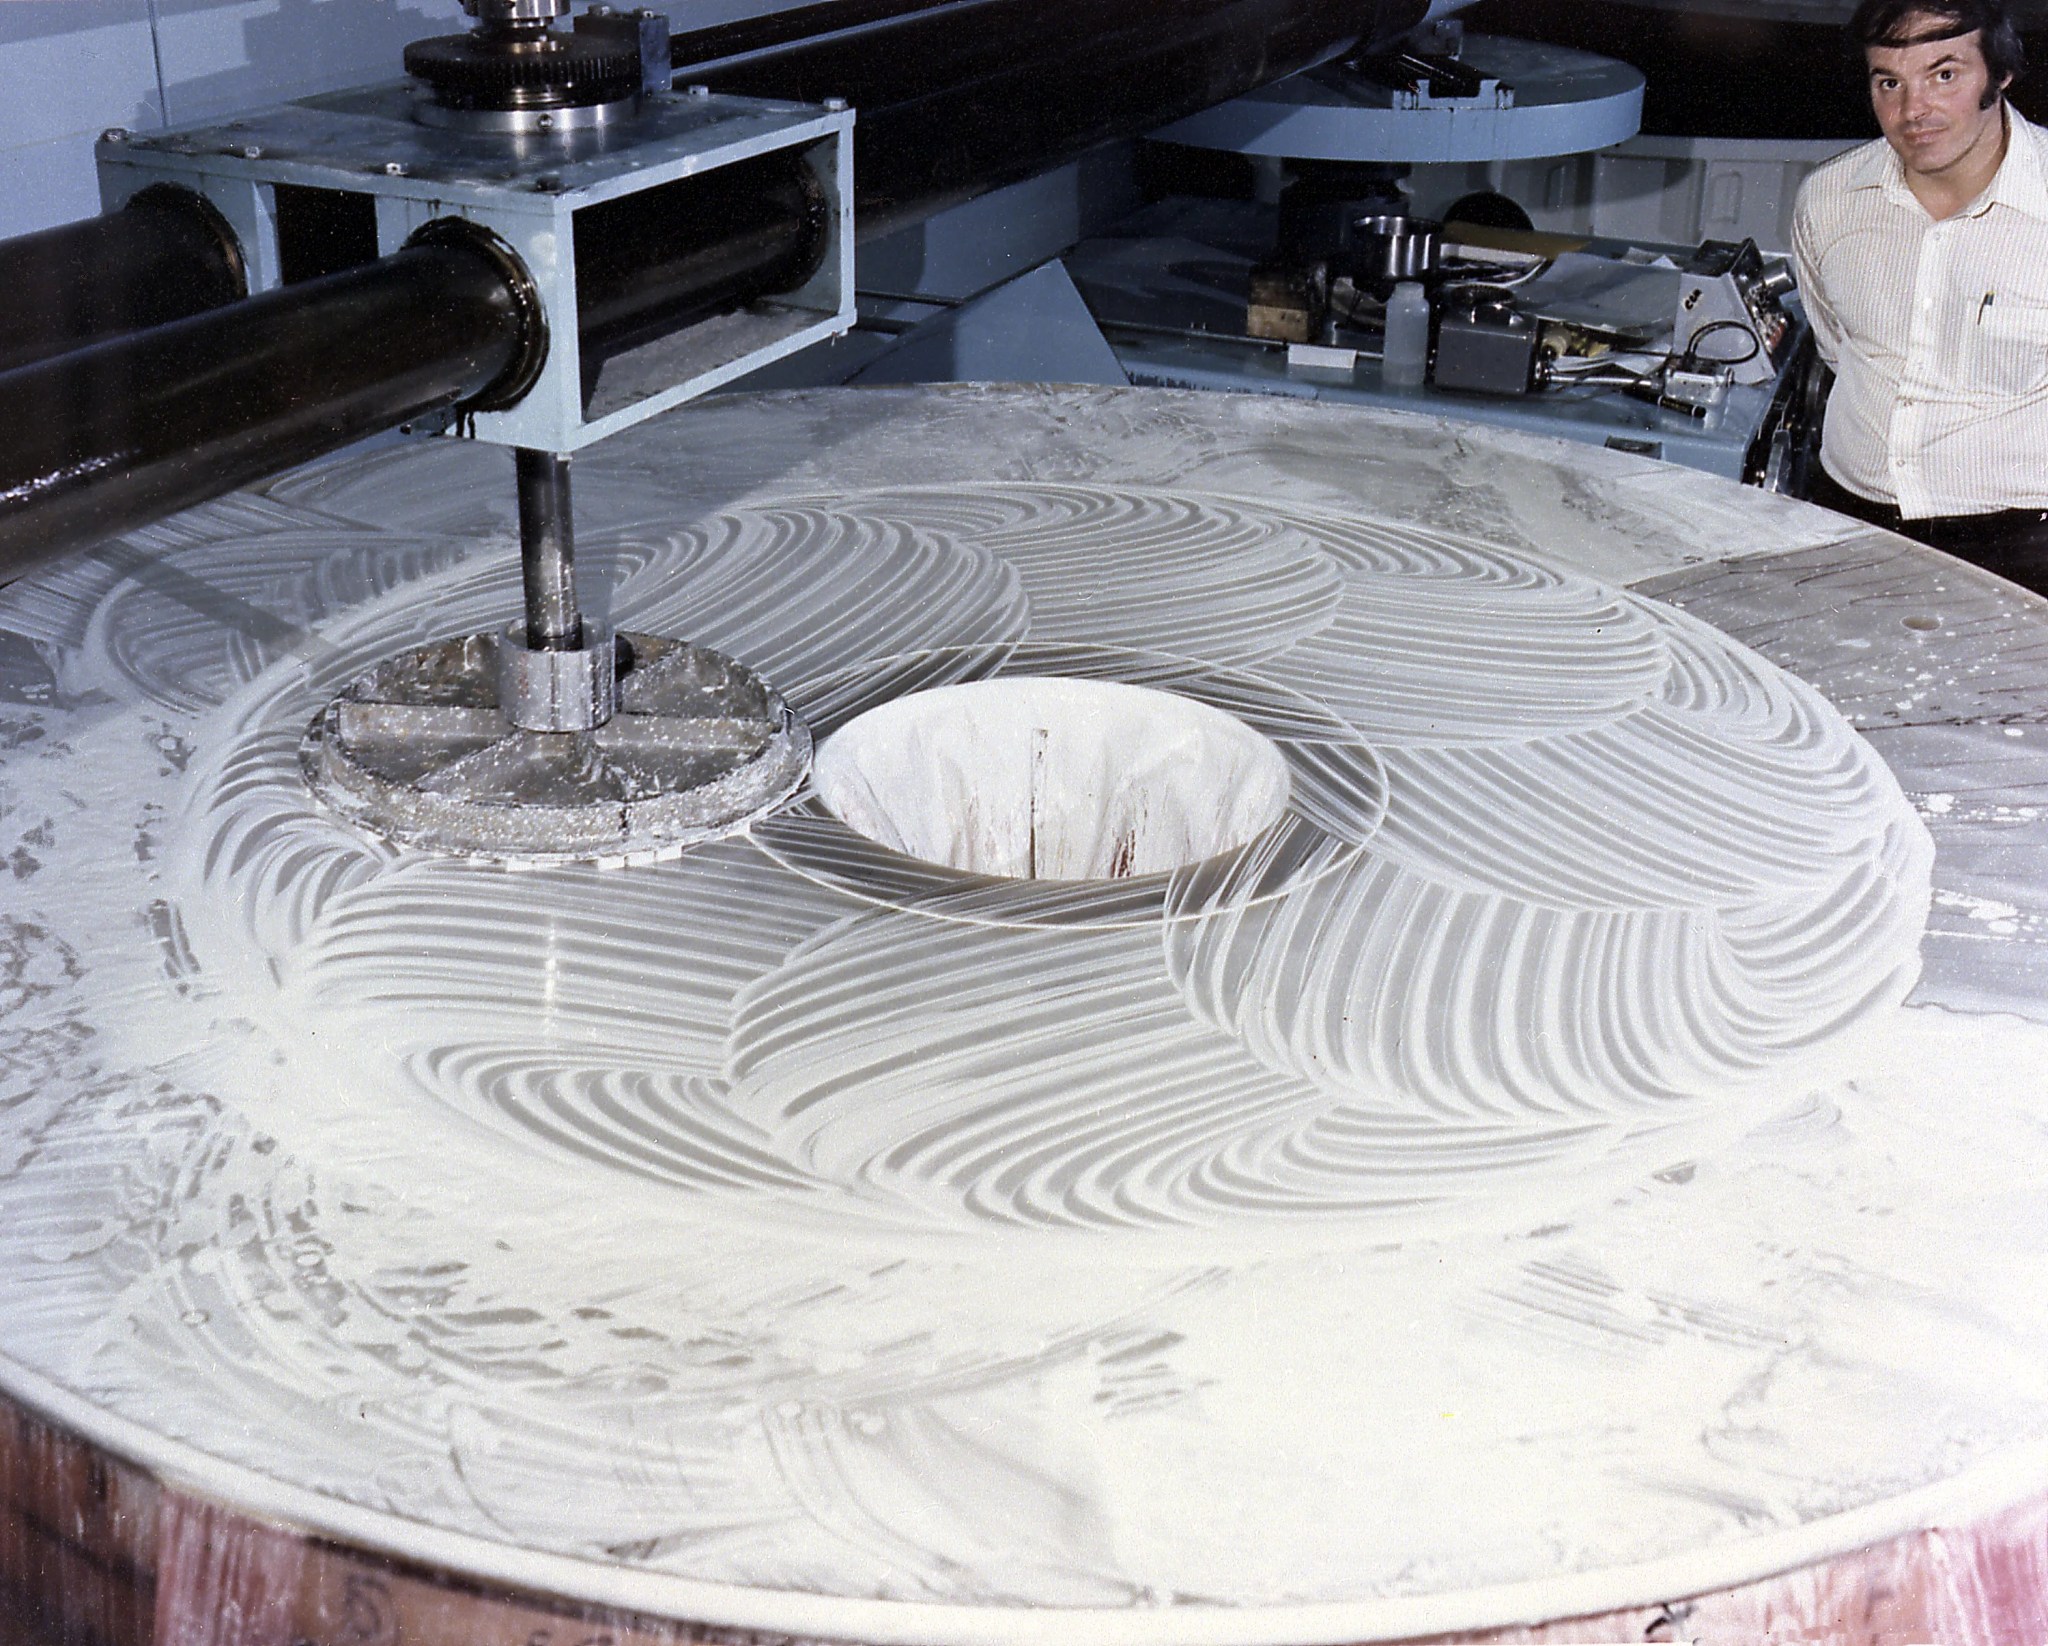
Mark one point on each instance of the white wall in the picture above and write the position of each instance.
(71, 68)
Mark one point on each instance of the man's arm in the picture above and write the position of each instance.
(1827, 329)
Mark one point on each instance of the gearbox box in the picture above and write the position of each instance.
(321, 184)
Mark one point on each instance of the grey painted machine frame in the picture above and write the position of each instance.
(526, 190)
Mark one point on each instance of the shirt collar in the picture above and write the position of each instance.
(1884, 172)
(2021, 181)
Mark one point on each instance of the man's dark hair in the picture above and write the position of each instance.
(1909, 22)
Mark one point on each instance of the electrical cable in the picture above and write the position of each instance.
(1570, 366)
(1691, 361)
(1613, 370)
(1598, 372)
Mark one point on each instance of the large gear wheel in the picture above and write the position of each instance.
(541, 70)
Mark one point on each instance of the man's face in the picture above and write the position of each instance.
(1929, 95)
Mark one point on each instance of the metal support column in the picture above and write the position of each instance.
(547, 552)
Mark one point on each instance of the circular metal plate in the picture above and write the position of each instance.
(416, 750)
(1566, 102)
(573, 117)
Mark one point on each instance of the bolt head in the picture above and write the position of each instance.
(394, 168)
(252, 151)
(836, 104)
(114, 134)
(697, 91)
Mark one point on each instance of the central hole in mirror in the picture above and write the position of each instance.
(1052, 779)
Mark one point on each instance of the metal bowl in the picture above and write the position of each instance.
(1390, 248)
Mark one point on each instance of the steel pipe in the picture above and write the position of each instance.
(953, 96)
(961, 95)
(547, 552)
(164, 255)
(111, 436)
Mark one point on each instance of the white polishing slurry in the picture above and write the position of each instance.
(1317, 1062)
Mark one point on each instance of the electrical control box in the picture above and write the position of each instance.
(1729, 314)
(1485, 349)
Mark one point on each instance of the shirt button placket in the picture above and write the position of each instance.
(1919, 376)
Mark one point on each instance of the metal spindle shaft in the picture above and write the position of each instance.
(547, 552)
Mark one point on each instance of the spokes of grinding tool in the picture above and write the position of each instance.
(552, 742)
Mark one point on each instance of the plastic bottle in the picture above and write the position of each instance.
(1406, 359)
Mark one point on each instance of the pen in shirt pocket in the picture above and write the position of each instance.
(1981, 307)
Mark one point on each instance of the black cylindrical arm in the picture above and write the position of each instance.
(652, 262)
(110, 436)
(164, 255)
(954, 96)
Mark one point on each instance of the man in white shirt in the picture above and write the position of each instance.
(1923, 261)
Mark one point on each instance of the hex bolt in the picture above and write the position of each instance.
(837, 105)
(114, 134)
(394, 168)
(252, 151)
(698, 90)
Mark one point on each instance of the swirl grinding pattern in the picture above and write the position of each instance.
(1198, 577)
(1058, 1084)
(816, 1220)
(1469, 644)
(784, 587)
(1602, 864)
(637, 973)
(1578, 901)
(1623, 863)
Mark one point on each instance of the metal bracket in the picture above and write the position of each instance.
(364, 152)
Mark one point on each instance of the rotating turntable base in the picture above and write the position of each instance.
(1376, 1028)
